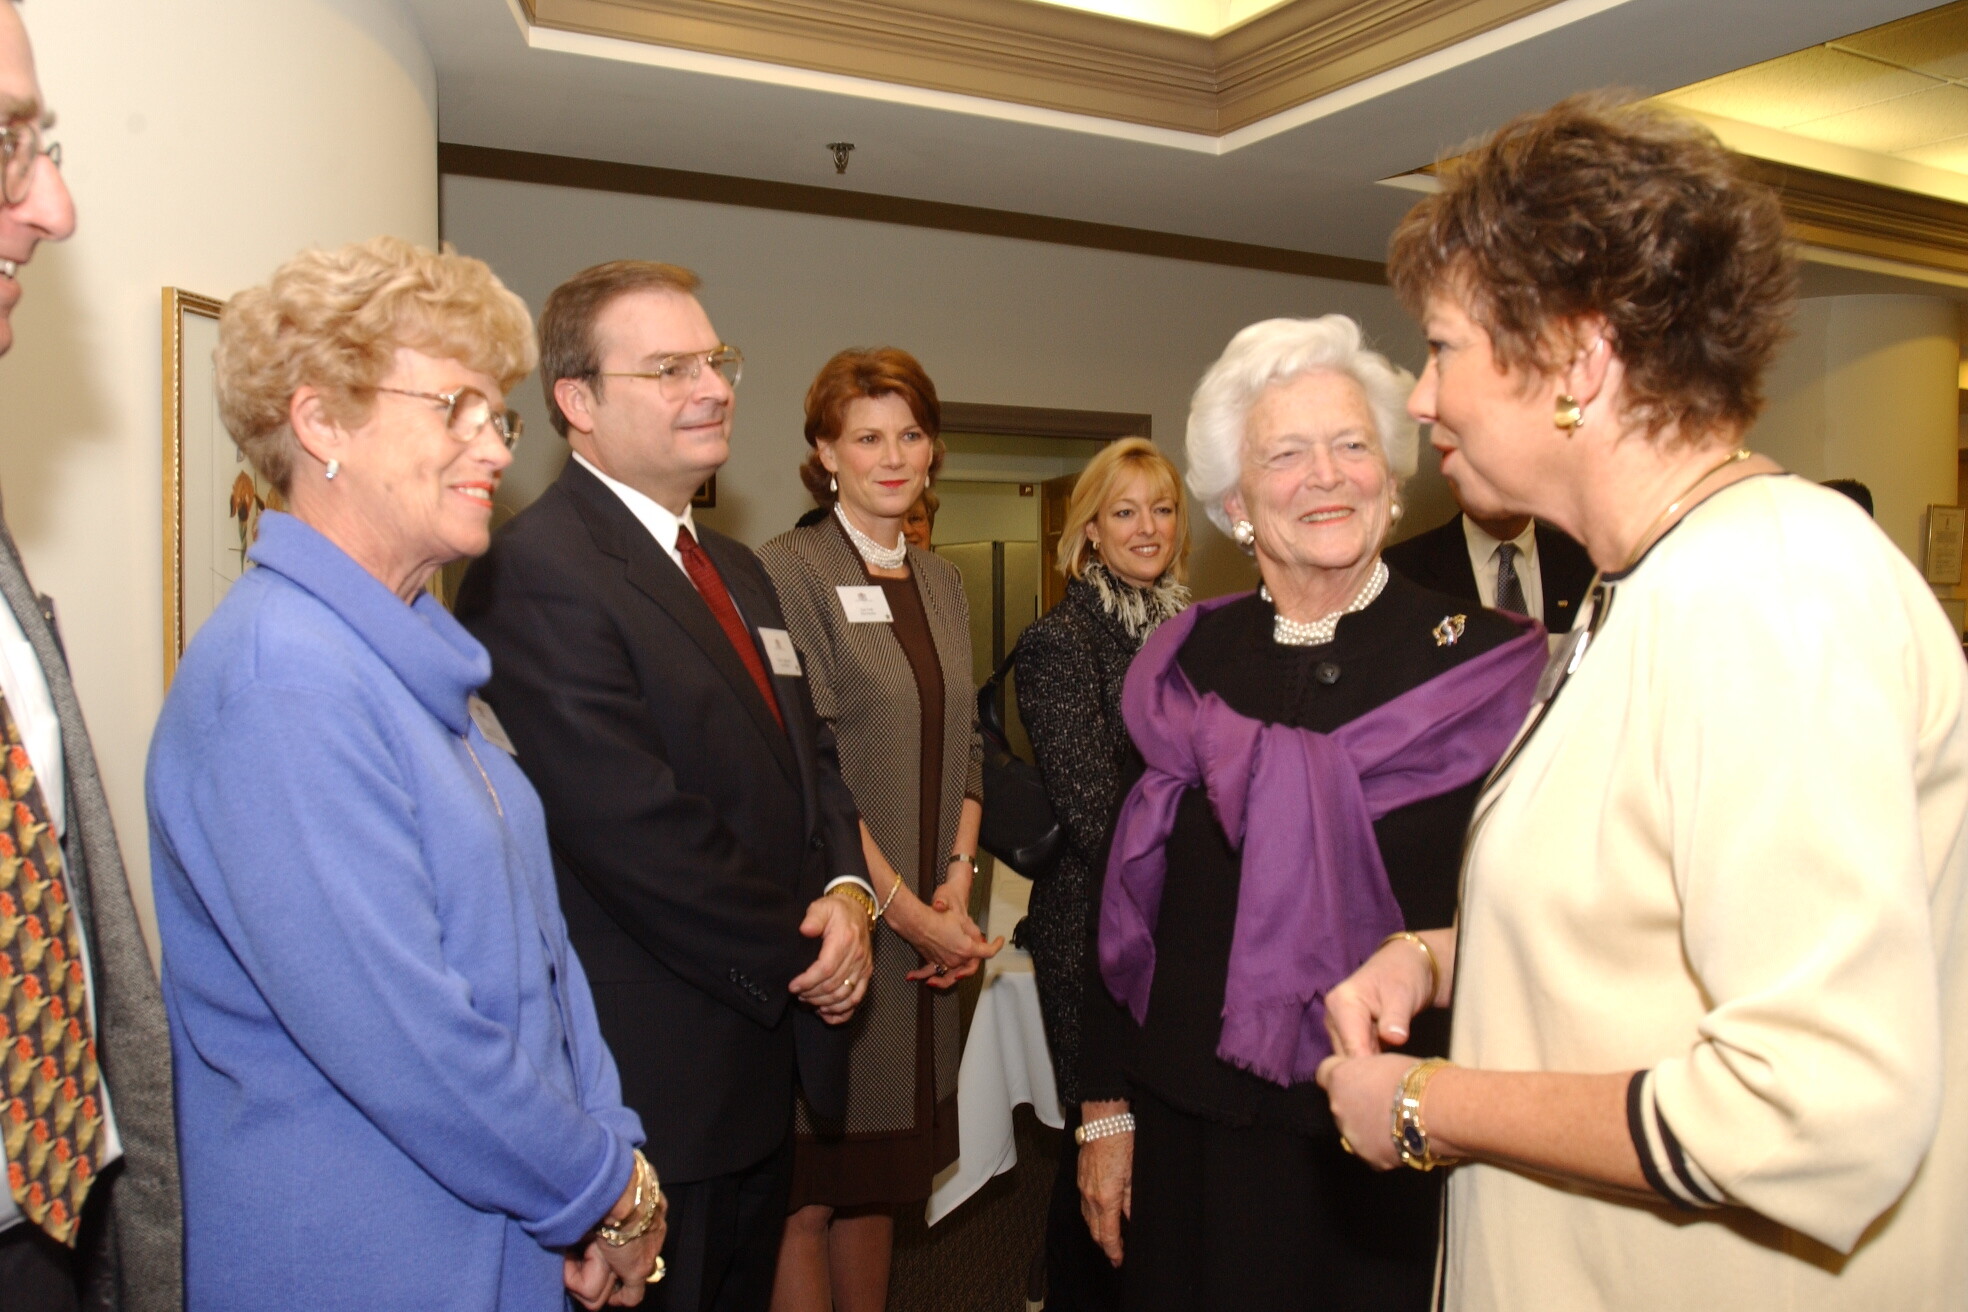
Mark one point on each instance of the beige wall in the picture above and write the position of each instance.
(1868, 389)
(993, 320)
(205, 141)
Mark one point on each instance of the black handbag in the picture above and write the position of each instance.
(1019, 827)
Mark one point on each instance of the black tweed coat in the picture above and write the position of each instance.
(1072, 663)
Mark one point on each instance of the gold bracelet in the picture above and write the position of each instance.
(893, 889)
(642, 1208)
(1434, 972)
(859, 897)
(1410, 1135)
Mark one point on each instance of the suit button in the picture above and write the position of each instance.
(817, 842)
(1327, 673)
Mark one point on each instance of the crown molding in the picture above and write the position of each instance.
(721, 189)
(1864, 218)
(1057, 58)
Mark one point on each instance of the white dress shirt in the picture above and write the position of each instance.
(1483, 559)
(663, 526)
(33, 709)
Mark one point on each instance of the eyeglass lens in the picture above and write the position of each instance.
(20, 147)
(471, 411)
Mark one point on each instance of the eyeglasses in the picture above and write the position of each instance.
(468, 410)
(20, 146)
(675, 373)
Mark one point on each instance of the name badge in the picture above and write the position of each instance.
(488, 724)
(865, 605)
(780, 652)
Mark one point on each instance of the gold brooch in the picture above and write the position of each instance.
(1449, 631)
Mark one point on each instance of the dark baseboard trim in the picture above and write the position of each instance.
(719, 189)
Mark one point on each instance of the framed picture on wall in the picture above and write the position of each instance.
(1945, 528)
(212, 497)
(706, 497)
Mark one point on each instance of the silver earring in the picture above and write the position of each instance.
(1244, 533)
(334, 468)
(833, 484)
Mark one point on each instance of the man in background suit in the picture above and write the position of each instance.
(1510, 564)
(702, 836)
(119, 1247)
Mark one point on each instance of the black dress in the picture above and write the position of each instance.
(1242, 1195)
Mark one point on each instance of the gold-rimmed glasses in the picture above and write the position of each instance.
(466, 411)
(675, 373)
(20, 146)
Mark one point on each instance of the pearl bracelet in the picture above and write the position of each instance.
(1102, 1127)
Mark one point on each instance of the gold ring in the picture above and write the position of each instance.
(848, 983)
(658, 1273)
(1347, 1146)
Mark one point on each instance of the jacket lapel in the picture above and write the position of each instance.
(649, 569)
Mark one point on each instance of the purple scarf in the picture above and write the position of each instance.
(1300, 806)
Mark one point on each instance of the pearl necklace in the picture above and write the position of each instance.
(873, 552)
(1317, 633)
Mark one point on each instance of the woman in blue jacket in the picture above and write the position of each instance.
(391, 1088)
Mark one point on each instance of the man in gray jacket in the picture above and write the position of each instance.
(90, 1215)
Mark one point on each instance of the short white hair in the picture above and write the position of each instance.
(1277, 351)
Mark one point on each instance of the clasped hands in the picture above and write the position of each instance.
(599, 1274)
(838, 978)
(951, 945)
(1372, 1007)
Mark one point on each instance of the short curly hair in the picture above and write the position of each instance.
(334, 319)
(871, 372)
(1275, 351)
(1601, 207)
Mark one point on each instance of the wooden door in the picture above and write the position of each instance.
(1054, 496)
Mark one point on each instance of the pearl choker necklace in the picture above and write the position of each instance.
(873, 552)
(1319, 632)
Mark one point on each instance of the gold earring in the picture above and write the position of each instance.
(1569, 416)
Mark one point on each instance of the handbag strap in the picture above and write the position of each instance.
(989, 718)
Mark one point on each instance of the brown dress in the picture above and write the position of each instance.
(898, 698)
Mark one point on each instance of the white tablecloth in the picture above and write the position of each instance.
(1005, 1061)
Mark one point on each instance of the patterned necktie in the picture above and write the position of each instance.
(50, 1103)
(697, 564)
(1510, 589)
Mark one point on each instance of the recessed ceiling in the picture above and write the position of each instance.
(1202, 17)
(1303, 179)
(1897, 92)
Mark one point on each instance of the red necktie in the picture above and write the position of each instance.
(711, 588)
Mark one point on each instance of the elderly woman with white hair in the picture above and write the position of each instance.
(1310, 753)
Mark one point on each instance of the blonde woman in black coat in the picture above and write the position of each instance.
(1124, 551)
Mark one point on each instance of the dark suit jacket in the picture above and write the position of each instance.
(689, 831)
(1439, 559)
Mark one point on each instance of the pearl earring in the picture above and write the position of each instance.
(1394, 513)
(833, 484)
(1569, 416)
(1244, 533)
(334, 468)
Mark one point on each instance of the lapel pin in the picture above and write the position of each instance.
(1449, 631)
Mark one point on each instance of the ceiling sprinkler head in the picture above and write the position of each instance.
(841, 149)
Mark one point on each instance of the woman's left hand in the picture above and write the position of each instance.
(1362, 1091)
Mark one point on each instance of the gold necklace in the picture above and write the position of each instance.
(1736, 456)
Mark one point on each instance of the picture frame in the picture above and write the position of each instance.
(705, 497)
(212, 498)
(1945, 529)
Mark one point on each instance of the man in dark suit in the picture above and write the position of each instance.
(1508, 563)
(86, 1218)
(702, 836)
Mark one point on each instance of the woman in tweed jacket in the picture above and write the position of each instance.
(1124, 549)
(883, 634)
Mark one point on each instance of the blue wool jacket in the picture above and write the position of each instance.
(392, 1091)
